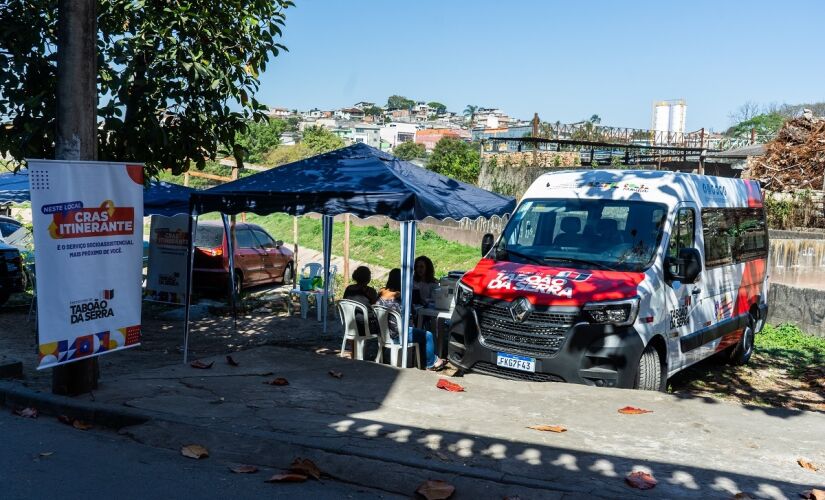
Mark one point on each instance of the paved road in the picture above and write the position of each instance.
(101, 464)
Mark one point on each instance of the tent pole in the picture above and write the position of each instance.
(190, 265)
(327, 221)
(346, 249)
(407, 258)
(296, 269)
(230, 247)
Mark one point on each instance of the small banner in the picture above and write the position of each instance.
(168, 254)
(88, 235)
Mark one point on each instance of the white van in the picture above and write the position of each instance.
(616, 278)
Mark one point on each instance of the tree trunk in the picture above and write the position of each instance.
(76, 137)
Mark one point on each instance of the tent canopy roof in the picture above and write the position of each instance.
(160, 198)
(357, 179)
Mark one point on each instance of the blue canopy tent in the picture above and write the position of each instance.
(359, 180)
(159, 198)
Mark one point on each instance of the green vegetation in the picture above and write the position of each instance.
(210, 167)
(320, 140)
(790, 348)
(409, 150)
(470, 113)
(377, 246)
(455, 158)
(176, 80)
(399, 102)
(766, 124)
(789, 210)
(437, 107)
(260, 137)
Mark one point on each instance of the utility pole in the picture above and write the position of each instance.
(76, 134)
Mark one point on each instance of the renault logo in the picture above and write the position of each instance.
(520, 309)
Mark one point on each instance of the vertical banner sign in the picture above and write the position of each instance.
(88, 235)
(168, 256)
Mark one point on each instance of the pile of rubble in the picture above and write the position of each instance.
(795, 159)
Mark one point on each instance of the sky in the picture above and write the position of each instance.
(565, 60)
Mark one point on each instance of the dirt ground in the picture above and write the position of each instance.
(266, 321)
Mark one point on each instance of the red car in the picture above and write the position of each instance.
(259, 258)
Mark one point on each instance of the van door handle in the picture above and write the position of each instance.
(696, 291)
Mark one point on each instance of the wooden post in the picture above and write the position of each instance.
(76, 137)
(346, 249)
(186, 179)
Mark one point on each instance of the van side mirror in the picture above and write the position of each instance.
(686, 267)
(487, 242)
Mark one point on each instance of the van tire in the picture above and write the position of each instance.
(649, 376)
(740, 353)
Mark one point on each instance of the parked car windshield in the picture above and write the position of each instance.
(588, 234)
(209, 236)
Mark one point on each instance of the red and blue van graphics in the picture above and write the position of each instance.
(616, 278)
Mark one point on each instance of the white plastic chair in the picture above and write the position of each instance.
(386, 342)
(314, 269)
(347, 310)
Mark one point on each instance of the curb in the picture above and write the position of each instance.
(13, 395)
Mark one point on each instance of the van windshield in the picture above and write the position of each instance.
(619, 235)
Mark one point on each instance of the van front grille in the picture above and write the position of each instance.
(541, 334)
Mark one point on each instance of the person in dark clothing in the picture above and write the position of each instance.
(361, 291)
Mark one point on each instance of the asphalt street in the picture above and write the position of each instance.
(44, 459)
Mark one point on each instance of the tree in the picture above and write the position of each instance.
(173, 88)
(320, 140)
(470, 113)
(260, 138)
(437, 107)
(595, 119)
(455, 158)
(763, 125)
(399, 102)
(288, 154)
(745, 112)
(409, 150)
(373, 111)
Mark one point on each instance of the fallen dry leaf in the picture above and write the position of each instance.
(278, 381)
(63, 419)
(336, 374)
(201, 365)
(641, 480)
(195, 451)
(742, 496)
(287, 478)
(549, 428)
(632, 410)
(449, 386)
(81, 425)
(27, 412)
(807, 464)
(813, 494)
(436, 489)
(306, 467)
(231, 361)
(243, 469)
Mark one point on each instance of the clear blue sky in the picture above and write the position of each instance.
(564, 59)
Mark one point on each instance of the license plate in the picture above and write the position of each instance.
(522, 363)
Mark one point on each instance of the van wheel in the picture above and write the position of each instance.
(649, 377)
(741, 353)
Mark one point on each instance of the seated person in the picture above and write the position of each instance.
(423, 280)
(390, 297)
(361, 291)
(569, 235)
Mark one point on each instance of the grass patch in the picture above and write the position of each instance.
(790, 348)
(380, 246)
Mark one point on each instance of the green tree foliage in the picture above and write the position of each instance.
(259, 138)
(399, 102)
(409, 150)
(470, 113)
(320, 140)
(288, 154)
(436, 106)
(766, 124)
(176, 79)
(374, 111)
(455, 158)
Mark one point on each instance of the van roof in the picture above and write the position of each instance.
(647, 185)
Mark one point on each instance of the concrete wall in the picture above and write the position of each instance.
(511, 173)
(803, 307)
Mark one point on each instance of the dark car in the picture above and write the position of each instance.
(259, 258)
(11, 272)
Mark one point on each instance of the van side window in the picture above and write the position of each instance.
(683, 232)
(734, 235)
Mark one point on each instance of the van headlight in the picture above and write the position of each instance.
(617, 312)
(464, 295)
